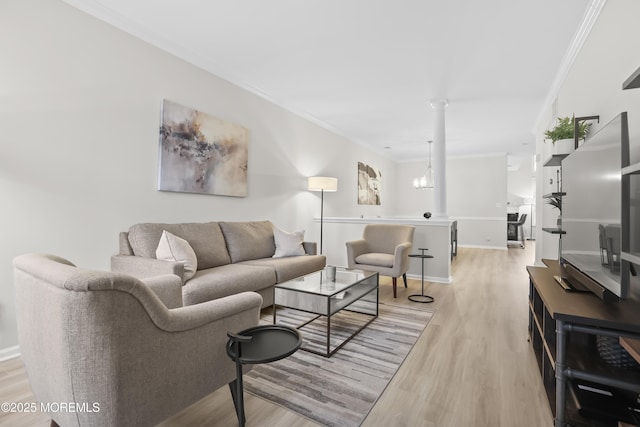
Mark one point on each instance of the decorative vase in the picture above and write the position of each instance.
(563, 146)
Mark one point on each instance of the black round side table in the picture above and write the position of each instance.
(421, 297)
(260, 344)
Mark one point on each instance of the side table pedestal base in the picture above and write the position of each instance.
(421, 298)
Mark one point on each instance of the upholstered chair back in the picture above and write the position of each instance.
(383, 238)
(105, 341)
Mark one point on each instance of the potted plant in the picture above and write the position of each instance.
(562, 137)
(556, 202)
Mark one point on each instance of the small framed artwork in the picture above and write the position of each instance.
(200, 153)
(369, 185)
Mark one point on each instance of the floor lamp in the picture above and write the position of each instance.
(530, 202)
(322, 184)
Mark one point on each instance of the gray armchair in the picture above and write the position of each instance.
(383, 248)
(106, 339)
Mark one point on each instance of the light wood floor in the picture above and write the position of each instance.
(472, 366)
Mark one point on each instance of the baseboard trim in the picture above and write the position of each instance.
(9, 353)
(433, 279)
(501, 248)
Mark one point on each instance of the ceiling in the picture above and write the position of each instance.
(368, 69)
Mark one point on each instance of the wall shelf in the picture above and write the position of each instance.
(633, 81)
(555, 160)
(553, 230)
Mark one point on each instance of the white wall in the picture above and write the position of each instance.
(411, 202)
(520, 181)
(594, 87)
(476, 197)
(79, 111)
(521, 189)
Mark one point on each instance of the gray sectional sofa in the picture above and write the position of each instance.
(232, 257)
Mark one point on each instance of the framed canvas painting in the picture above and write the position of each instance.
(369, 185)
(200, 153)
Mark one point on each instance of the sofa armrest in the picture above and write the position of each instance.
(401, 256)
(123, 244)
(310, 248)
(168, 288)
(197, 315)
(144, 268)
(355, 248)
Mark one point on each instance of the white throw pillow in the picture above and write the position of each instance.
(173, 248)
(288, 244)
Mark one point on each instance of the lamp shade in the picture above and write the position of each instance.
(319, 183)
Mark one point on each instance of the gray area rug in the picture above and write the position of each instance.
(342, 389)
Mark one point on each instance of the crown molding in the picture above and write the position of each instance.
(588, 21)
(99, 11)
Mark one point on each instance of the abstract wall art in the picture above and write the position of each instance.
(369, 185)
(200, 153)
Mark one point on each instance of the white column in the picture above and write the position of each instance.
(439, 160)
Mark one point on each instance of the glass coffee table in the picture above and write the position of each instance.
(354, 291)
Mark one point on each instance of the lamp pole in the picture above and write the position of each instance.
(321, 216)
(322, 184)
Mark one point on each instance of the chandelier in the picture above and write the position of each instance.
(426, 180)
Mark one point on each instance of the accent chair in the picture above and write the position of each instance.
(108, 339)
(383, 248)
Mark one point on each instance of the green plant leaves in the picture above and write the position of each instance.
(564, 129)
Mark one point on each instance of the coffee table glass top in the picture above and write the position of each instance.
(355, 291)
(317, 283)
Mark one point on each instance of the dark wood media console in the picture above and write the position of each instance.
(563, 327)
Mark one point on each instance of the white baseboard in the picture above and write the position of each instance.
(501, 248)
(9, 353)
(431, 278)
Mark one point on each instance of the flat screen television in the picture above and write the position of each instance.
(592, 213)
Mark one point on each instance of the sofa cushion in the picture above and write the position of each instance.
(377, 259)
(248, 240)
(288, 244)
(206, 239)
(291, 267)
(173, 248)
(230, 279)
